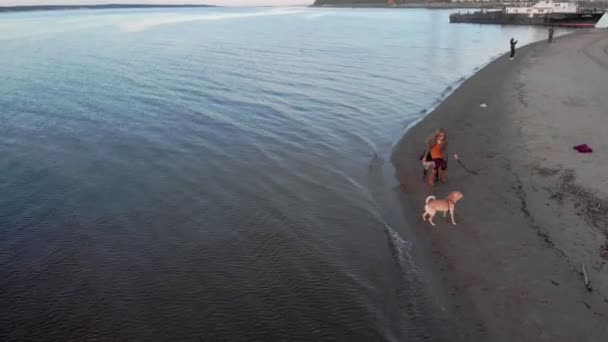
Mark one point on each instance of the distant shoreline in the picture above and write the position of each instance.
(5, 9)
(435, 5)
(445, 5)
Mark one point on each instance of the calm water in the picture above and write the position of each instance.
(217, 174)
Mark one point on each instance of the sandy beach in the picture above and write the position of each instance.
(537, 210)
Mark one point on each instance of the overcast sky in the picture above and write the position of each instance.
(210, 2)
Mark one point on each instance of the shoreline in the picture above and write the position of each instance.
(444, 5)
(510, 265)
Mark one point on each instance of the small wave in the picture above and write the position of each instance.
(376, 162)
(402, 250)
(447, 90)
(315, 16)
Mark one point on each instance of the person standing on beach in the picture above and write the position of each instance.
(512, 42)
(551, 31)
(436, 151)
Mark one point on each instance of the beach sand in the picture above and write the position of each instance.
(537, 210)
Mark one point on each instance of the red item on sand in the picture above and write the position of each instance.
(584, 148)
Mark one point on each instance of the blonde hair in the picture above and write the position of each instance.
(433, 138)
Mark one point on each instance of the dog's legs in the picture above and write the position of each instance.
(431, 219)
(452, 213)
(424, 216)
(445, 213)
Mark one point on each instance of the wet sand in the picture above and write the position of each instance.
(537, 210)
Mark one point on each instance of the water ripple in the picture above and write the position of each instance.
(204, 174)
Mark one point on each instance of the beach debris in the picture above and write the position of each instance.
(483, 105)
(583, 148)
(457, 157)
(554, 282)
(586, 278)
(587, 305)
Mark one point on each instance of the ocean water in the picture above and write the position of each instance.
(218, 174)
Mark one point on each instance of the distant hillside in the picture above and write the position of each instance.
(367, 2)
(350, 2)
(438, 3)
(432, 4)
(75, 7)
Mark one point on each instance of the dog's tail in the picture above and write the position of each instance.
(430, 198)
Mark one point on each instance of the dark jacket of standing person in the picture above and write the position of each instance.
(551, 31)
(512, 42)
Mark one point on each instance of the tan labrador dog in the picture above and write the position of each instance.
(433, 205)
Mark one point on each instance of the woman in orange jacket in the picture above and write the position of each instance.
(435, 157)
